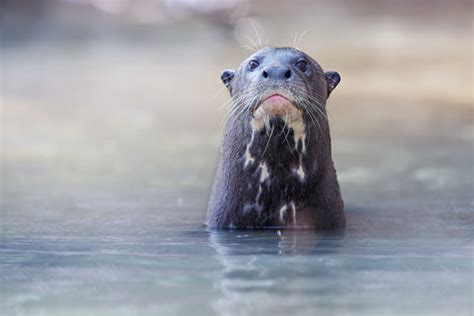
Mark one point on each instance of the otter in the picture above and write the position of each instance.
(276, 167)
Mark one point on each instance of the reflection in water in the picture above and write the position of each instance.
(368, 269)
(255, 266)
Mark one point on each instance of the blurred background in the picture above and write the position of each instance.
(115, 94)
(111, 119)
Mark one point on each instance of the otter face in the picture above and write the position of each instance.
(280, 82)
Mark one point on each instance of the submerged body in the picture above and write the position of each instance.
(276, 167)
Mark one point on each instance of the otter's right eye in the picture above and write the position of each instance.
(253, 64)
(302, 65)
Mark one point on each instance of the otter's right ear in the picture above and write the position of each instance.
(227, 76)
(332, 79)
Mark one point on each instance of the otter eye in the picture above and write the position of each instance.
(253, 64)
(302, 65)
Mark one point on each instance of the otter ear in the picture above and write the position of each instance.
(332, 78)
(227, 76)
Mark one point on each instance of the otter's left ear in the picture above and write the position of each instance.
(332, 78)
(227, 76)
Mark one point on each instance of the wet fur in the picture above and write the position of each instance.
(240, 199)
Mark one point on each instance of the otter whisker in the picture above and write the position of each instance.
(318, 103)
(252, 41)
(239, 108)
(246, 47)
(313, 100)
(314, 119)
(243, 109)
(228, 118)
(266, 121)
(235, 108)
(300, 38)
(287, 133)
(237, 104)
(286, 115)
(310, 103)
(258, 36)
(228, 102)
(313, 113)
(295, 35)
(219, 91)
(246, 103)
(268, 142)
(319, 111)
(288, 143)
(313, 110)
(320, 108)
(232, 101)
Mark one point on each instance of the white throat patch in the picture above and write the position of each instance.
(293, 120)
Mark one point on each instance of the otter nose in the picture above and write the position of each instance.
(276, 73)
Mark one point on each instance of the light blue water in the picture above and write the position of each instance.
(123, 257)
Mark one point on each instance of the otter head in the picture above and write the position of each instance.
(280, 83)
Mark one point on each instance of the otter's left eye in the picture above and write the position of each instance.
(302, 65)
(253, 64)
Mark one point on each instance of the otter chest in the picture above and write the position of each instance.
(276, 175)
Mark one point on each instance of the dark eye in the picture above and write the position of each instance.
(253, 64)
(302, 65)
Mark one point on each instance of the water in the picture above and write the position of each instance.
(129, 251)
(150, 265)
